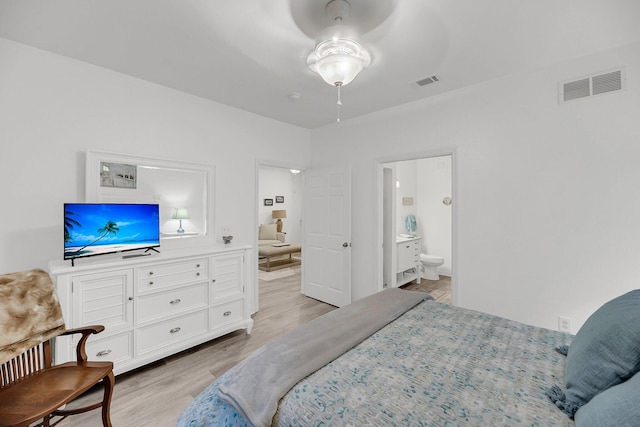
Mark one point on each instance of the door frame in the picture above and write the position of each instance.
(447, 151)
(255, 303)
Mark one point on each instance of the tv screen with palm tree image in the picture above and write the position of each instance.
(102, 228)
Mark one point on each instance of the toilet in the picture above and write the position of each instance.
(430, 264)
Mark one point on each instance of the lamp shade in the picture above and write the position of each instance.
(180, 213)
(339, 69)
(338, 57)
(279, 213)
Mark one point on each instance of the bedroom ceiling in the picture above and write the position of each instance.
(251, 54)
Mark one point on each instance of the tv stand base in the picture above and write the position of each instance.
(134, 255)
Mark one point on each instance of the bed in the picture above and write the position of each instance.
(433, 365)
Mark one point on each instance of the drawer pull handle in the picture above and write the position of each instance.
(174, 330)
(175, 301)
(151, 273)
(197, 265)
(130, 298)
(103, 353)
(213, 280)
(150, 282)
(226, 313)
(198, 273)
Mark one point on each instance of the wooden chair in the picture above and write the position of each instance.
(32, 388)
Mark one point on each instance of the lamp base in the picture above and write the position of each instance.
(180, 229)
(279, 225)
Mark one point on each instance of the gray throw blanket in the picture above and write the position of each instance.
(255, 386)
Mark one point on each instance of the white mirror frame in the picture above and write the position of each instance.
(201, 206)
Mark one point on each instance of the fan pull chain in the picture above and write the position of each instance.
(339, 85)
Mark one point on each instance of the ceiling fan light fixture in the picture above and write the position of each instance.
(337, 59)
(339, 69)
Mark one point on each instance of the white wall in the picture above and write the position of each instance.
(406, 175)
(53, 109)
(433, 216)
(427, 181)
(274, 181)
(546, 194)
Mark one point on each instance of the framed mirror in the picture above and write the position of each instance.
(184, 191)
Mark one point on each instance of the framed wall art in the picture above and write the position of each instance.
(279, 199)
(407, 201)
(268, 202)
(118, 175)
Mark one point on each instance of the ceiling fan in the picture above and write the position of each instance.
(336, 39)
(338, 56)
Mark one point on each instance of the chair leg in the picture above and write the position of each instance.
(108, 383)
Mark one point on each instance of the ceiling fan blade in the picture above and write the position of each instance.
(413, 23)
(364, 15)
(259, 30)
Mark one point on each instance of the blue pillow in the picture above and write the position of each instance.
(617, 406)
(605, 352)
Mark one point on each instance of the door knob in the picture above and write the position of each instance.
(345, 245)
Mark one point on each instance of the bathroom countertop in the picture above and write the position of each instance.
(405, 238)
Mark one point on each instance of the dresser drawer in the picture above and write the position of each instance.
(227, 313)
(172, 331)
(116, 348)
(172, 302)
(155, 277)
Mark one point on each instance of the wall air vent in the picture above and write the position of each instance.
(593, 85)
(428, 80)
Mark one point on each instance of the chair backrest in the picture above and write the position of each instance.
(26, 364)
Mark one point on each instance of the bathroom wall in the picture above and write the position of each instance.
(406, 177)
(434, 217)
(428, 182)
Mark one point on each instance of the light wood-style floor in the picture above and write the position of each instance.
(156, 394)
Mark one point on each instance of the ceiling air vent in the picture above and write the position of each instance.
(596, 84)
(428, 80)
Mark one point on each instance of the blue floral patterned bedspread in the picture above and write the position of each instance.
(436, 365)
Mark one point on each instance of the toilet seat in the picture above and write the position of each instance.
(433, 259)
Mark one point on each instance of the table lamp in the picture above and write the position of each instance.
(180, 213)
(278, 214)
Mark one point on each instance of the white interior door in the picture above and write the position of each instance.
(326, 246)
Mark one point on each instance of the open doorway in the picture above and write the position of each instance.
(417, 225)
(279, 224)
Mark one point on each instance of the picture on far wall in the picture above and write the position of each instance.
(117, 175)
(279, 199)
(268, 202)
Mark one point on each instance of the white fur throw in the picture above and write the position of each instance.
(29, 312)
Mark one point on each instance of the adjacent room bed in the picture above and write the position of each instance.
(396, 358)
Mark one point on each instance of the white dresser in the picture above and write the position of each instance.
(407, 260)
(152, 306)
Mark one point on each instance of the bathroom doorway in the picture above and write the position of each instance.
(417, 211)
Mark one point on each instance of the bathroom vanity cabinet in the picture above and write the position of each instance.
(152, 306)
(407, 260)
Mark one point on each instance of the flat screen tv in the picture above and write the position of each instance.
(102, 228)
